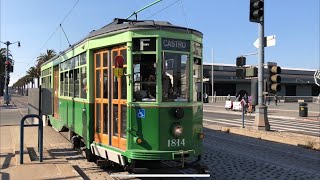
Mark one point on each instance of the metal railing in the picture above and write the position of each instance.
(40, 135)
(282, 98)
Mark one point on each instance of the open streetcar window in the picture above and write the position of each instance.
(144, 77)
(175, 77)
(197, 78)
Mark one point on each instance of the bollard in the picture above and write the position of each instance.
(40, 135)
(243, 110)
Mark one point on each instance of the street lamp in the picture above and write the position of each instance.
(6, 95)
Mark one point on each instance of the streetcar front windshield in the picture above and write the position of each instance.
(175, 77)
(144, 75)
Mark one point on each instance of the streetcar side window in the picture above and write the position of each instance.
(66, 89)
(197, 77)
(61, 83)
(83, 81)
(144, 77)
(71, 85)
(76, 83)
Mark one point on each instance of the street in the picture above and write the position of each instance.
(228, 156)
(283, 118)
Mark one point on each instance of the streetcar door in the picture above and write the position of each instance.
(101, 101)
(110, 99)
(55, 91)
(119, 100)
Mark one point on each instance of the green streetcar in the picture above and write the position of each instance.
(130, 92)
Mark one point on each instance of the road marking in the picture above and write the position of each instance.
(274, 125)
(268, 109)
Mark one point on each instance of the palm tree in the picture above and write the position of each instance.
(3, 55)
(32, 73)
(44, 57)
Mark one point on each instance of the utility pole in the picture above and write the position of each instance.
(257, 15)
(212, 83)
(8, 61)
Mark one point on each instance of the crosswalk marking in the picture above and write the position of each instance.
(280, 125)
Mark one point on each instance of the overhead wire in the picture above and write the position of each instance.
(163, 9)
(58, 27)
(185, 16)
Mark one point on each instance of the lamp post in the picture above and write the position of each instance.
(6, 95)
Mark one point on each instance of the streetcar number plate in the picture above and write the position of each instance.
(176, 142)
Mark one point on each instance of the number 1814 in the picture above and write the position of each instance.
(176, 142)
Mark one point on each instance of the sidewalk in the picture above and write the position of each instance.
(52, 167)
(60, 161)
(282, 111)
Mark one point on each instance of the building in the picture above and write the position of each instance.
(294, 82)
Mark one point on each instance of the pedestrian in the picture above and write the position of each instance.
(276, 100)
(269, 99)
(245, 97)
(228, 97)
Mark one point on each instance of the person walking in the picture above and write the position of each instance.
(276, 100)
(228, 97)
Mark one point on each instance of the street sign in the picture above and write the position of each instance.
(269, 40)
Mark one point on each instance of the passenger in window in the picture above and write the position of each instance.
(167, 89)
(152, 86)
(84, 90)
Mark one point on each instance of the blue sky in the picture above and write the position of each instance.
(225, 25)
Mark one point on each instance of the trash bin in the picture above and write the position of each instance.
(205, 98)
(303, 109)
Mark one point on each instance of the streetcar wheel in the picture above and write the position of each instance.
(89, 156)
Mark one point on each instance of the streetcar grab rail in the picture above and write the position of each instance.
(40, 135)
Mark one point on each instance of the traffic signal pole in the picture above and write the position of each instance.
(261, 115)
(6, 95)
(7, 71)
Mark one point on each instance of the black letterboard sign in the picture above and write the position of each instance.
(144, 44)
(175, 44)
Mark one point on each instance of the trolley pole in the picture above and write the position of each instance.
(261, 116)
(6, 95)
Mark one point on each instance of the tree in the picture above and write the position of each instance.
(32, 73)
(3, 55)
(44, 57)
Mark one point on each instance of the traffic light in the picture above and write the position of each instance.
(9, 67)
(241, 73)
(251, 72)
(256, 11)
(241, 61)
(274, 78)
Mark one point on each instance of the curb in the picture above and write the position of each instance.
(309, 142)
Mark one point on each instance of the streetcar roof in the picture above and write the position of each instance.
(122, 25)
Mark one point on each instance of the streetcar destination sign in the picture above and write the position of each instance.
(175, 44)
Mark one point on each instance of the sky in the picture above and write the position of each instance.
(224, 24)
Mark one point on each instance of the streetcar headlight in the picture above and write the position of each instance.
(177, 130)
(179, 113)
(138, 140)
